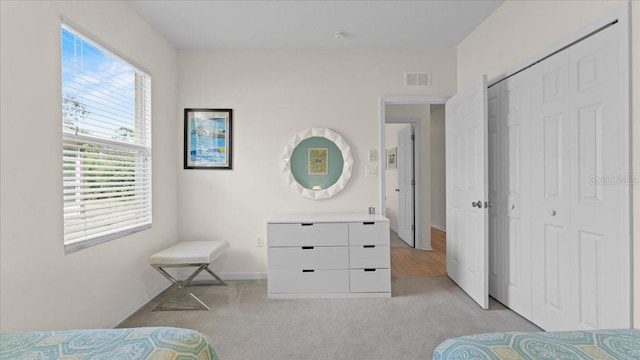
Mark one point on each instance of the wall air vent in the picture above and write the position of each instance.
(417, 79)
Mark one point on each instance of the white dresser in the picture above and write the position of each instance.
(329, 255)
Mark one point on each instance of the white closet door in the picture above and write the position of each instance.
(467, 183)
(515, 121)
(554, 266)
(599, 205)
(580, 246)
(496, 233)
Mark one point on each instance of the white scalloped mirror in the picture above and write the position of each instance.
(317, 163)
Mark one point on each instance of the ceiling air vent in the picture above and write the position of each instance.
(417, 79)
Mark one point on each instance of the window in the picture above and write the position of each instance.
(106, 132)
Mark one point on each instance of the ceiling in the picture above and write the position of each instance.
(313, 24)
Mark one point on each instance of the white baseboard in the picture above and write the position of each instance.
(441, 228)
(227, 276)
(329, 295)
(243, 276)
(202, 276)
(137, 306)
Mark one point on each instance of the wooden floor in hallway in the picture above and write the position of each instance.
(407, 261)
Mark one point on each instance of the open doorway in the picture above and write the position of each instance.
(413, 184)
(399, 174)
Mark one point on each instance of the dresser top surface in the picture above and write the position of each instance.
(325, 218)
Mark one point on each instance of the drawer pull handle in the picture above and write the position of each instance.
(369, 269)
(307, 224)
(368, 246)
(307, 248)
(368, 223)
(307, 271)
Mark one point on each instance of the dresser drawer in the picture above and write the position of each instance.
(370, 280)
(369, 256)
(317, 281)
(308, 234)
(369, 233)
(309, 257)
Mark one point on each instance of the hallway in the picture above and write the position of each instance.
(407, 261)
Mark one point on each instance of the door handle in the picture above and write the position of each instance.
(397, 190)
(477, 204)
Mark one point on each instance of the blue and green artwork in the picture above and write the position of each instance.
(208, 141)
(316, 163)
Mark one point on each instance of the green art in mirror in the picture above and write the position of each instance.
(316, 163)
(321, 166)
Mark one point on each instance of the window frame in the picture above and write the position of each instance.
(141, 154)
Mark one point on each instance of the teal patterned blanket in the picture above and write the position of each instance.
(621, 344)
(136, 343)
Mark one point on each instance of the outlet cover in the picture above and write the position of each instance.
(372, 171)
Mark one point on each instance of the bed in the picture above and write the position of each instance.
(619, 344)
(135, 343)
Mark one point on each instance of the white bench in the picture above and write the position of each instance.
(199, 254)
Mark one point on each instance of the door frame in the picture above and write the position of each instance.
(422, 239)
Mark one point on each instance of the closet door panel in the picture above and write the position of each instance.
(467, 165)
(599, 195)
(555, 247)
(554, 264)
(552, 148)
(590, 279)
(515, 123)
(496, 235)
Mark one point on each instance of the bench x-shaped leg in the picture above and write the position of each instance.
(181, 286)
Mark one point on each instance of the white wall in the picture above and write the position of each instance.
(274, 94)
(391, 183)
(40, 287)
(519, 30)
(438, 169)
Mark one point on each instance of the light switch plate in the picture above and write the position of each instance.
(372, 171)
(373, 155)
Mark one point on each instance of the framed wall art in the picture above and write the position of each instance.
(318, 161)
(208, 139)
(392, 157)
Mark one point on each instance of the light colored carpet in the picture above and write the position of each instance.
(423, 311)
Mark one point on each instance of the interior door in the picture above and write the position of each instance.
(580, 229)
(467, 190)
(406, 185)
(515, 123)
(496, 195)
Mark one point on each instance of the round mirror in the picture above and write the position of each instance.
(317, 163)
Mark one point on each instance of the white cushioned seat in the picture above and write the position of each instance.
(190, 252)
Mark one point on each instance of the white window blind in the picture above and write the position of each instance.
(106, 132)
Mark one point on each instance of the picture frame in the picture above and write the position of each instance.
(208, 135)
(318, 161)
(392, 158)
